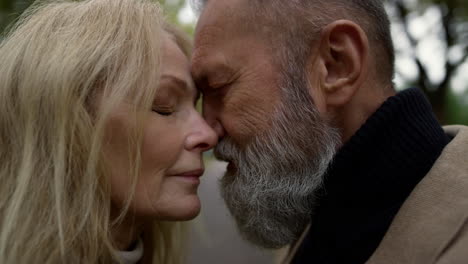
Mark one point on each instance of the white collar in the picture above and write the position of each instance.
(133, 256)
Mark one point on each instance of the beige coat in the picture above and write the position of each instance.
(432, 224)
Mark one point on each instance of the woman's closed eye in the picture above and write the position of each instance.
(164, 111)
(166, 101)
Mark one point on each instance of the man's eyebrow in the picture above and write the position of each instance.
(212, 74)
(199, 73)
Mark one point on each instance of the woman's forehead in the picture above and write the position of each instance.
(175, 63)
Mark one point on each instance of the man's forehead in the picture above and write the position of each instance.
(223, 12)
(208, 56)
(221, 21)
(222, 33)
(217, 25)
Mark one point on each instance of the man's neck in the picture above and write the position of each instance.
(357, 111)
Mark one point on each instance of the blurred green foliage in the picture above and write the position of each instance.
(457, 108)
(10, 9)
(172, 10)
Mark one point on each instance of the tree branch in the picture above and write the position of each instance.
(464, 58)
(448, 33)
(423, 81)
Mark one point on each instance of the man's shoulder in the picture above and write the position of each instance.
(432, 224)
(457, 131)
(454, 157)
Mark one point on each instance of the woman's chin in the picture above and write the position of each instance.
(188, 212)
(184, 210)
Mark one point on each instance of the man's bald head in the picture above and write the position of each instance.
(296, 24)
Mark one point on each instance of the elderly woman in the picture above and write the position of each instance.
(100, 142)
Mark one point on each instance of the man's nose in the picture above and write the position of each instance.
(211, 113)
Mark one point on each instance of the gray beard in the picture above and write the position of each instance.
(271, 183)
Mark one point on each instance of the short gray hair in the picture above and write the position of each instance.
(197, 5)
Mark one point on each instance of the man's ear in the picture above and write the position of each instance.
(343, 55)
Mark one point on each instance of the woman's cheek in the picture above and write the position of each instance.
(161, 147)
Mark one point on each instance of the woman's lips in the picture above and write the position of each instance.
(193, 173)
(192, 176)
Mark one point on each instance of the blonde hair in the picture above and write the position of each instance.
(54, 192)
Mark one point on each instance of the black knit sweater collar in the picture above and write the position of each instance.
(390, 153)
(370, 178)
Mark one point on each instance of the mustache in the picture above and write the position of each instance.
(227, 150)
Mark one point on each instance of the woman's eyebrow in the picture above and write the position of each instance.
(178, 81)
(181, 85)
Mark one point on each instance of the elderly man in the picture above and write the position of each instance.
(318, 141)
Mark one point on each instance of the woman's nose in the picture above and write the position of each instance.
(202, 137)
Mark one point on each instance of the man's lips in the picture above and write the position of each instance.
(231, 166)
